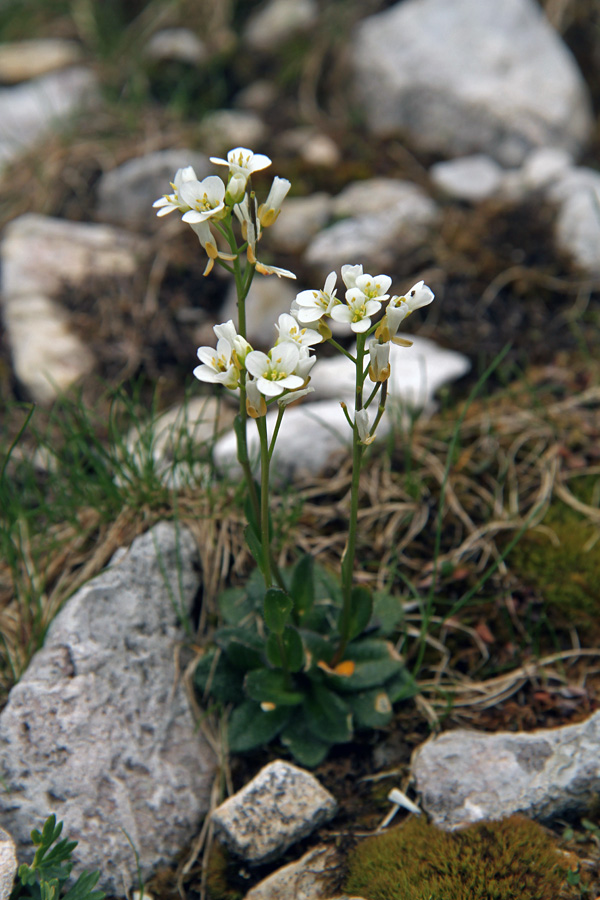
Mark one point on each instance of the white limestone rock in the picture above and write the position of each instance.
(47, 356)
(373, 195)
(469, 77)
(32, 109)
(376, 238)
(281, 805)
(8, 864)
(126, 193)
(472, 178)
(276, 21)
(466, 776)
(300, 219)
(224, 129)
(180, 44)
(577, 227)
(99, 728)
(22, 60)
(304, 879)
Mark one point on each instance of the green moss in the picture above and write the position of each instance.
(218, 876)
(486, 861)
(565, 573)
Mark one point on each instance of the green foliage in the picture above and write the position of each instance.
(417, 861)
(285, 682)
(46, 877)
(564, 566)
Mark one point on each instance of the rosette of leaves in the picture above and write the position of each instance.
(274, 665)
(48, 874)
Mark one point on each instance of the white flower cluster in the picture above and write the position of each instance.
(206, 203)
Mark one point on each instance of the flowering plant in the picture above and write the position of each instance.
(294, 658)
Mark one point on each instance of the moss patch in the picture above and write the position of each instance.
(499, 860)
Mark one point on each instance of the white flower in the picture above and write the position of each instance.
(217, 365)
(250, 223)
(270, 209)
(242, 163)
(350, 274)
(361, 420)
(293, 396)
(204, 198)
(289, 330)
(173, 201)
(418, 296)
(373, 287)
(273, 270)
(255, 402)
(206, 238)
(305, 363)
(397, 310)
(379, 369)
(274, 371)
(239, 344)
(312, 305)
(356, 311)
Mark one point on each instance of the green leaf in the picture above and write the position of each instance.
(255, 546)
(243, 647)
(36, 837)
(235, 605)
(375, 661)
(277, 609)
(328, 717)
(82, 889)
(361, 606)
(304, 747)
(251, 517)
(402, 686)
(271, 686)
(302, 587)
(224, 681)
(387, 613)
(250, 726)
(372, 709)
(293, 648)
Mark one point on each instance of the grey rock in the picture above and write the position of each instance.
(378, 238)
(468, 77)
(99, 729)
(465, 776)
(40, 254)
(278, 20)
(224, 129)
(472, 178)
(126, 194)
(8, 864)
(312, 146)
(301, 218)
(577, 226)
(179, 44)
(47, 357)
(281, 805)
(258, 96)
(268, 297)
(372, 195)
(30, 110)
(310, 435)
(22, 60)
(304, 879)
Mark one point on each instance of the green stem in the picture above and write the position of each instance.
(350, 551)
(264, 499)
(339, 347)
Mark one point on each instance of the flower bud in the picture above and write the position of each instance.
(270, 209)
(256, 405)
(379, 369)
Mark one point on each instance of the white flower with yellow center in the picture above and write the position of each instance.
(240, 346)
(397, 310)
(305, 364)
(217, 366)
(270, 209)
(242, 163)
(310, 306)
(290, 330)
(418, 296)
(204, 198)
(170, 202)
(373, 287)
(274, 371)
(357, 311)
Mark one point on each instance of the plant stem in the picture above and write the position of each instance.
(264, 499)
(350, 551)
